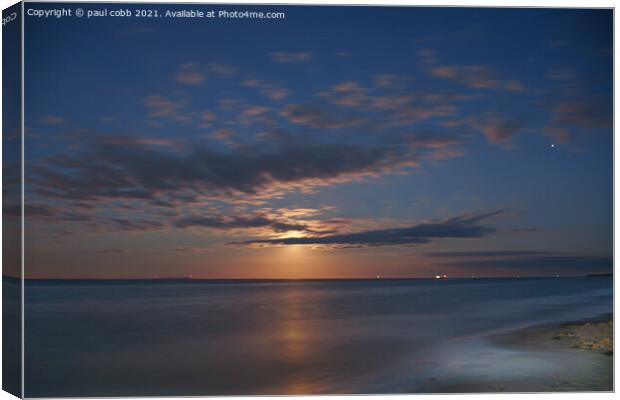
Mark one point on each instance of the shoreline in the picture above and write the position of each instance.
(560, 357)
(592, 334)
(579, 354)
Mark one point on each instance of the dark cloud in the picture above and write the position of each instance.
(434, 141)
(588, 115)
(192, 249)
(552, 263)
(239, 223)
(134, 225)
(30, 210)
(119, 171)
(317, 117)
(74, 217)
(572, 116)
(287, 57)
(464, 226)
(525, 230)
(483, 254)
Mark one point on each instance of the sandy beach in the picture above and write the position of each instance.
(569, 357)
(594, 336)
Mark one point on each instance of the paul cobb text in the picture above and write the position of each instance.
(153, 13)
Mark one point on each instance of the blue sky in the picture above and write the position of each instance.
(338, 142)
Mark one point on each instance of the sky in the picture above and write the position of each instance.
(339, 142)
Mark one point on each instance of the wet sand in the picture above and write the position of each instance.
(594, 336)
(582, 353)
(571, 357)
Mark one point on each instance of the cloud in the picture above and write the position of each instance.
(588, 115)
(552, 263)
(251, 152)
(398, 104)
(222, 222)
(154, 172)
(128, 224)
(384, 81)
(253, 111)
(189, 74)
(52, 120)
(572, 117)
(161, 106)
(349, 94)
(205, 118)
(268, 90)
(222, 69)
(413, 114)
(475, 76)
(275, 93)
(472, 76)
(224, 135)
(193, 249)
(389, 103)
(284, 57)
(524, 230)
(144, 141)
(30, 210)
(523, 260)
(112, 170)
(317, 117)
(434, 141)
(501, 130)
(486, 253)
(194, 73)
(464, 226)
(459, 122)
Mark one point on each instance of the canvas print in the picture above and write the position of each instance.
(232, 199)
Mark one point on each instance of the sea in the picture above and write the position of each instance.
(269, 337)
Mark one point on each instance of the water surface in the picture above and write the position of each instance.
(89, 338)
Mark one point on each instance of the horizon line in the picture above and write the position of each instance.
(190, 279)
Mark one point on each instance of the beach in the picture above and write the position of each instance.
(583, 350)
(566, 357)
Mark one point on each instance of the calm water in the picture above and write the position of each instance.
(210, 338)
